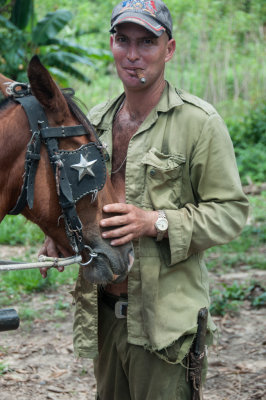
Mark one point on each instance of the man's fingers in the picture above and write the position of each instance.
(121, 208)
(43, 272)
(119, 220)
(119, 232)
(122, 240)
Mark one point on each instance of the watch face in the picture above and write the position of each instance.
(162, 224)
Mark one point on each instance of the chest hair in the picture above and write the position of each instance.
(124, 127)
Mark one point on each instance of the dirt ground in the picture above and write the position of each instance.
(40, 364)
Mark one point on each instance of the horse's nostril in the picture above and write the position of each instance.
(130, 259)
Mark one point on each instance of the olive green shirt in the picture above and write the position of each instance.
(180, 160)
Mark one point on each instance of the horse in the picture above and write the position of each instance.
(68, 128)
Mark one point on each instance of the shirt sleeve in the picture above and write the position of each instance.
(221, 208)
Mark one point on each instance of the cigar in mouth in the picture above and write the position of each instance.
(140, 75)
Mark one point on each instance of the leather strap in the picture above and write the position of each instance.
(35, 114)
(62, 132)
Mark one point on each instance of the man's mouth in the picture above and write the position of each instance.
(137, 72)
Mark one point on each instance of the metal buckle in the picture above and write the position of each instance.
(119, 306)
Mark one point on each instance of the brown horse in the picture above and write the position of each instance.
(15, 135)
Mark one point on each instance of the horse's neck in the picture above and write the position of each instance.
(12, 154)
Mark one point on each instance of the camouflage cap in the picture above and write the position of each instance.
(152, 15)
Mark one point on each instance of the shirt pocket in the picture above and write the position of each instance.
(163, 179)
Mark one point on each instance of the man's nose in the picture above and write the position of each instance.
(132, 54)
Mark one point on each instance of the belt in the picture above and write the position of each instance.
(118, 304)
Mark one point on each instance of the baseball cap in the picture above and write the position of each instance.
(152, 15)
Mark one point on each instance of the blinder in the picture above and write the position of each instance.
(77, 172)
(85, 169)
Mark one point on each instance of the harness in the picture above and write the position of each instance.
(77, 173)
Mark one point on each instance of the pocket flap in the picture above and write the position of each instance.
(163, 161)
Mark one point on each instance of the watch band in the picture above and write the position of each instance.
(161, 232)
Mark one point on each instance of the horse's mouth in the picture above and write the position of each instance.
(131, 258)
(104, 270)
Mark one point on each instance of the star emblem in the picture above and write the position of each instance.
(84, 167)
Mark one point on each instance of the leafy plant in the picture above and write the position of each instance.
(248, 134)
(4, 368)
(230, 298)
(22, 36)
(259, 301)
(62, 305)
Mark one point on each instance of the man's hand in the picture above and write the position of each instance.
(51, 249)
(131, 223)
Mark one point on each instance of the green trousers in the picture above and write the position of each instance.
(127, 372)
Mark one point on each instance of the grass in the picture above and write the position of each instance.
(16, 283)
(248, 250)
(3, 368)
(15, 230)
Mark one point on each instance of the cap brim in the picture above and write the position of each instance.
(143, 20)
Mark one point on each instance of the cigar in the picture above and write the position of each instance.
(140, 75)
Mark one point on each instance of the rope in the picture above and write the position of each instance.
(44, 262)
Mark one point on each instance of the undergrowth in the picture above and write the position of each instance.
(16, 230)
(229, 298)
(248, 249)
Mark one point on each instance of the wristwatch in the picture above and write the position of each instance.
(161, 225)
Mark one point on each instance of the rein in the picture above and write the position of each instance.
(44, 262)
(77, 172)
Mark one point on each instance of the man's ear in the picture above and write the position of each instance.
(171, 46)
(111, 41)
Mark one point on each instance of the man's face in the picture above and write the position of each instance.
(134, 47)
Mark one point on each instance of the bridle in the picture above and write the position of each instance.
(77, 172)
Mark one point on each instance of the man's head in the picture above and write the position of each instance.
(141, 42)
(152, 15)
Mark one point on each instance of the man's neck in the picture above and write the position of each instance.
(138, 104)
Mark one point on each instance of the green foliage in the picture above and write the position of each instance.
(22, 36)
(27, 314)
(4, 368)
(17, 230)
(62, 305)
(15, 283)
(219, 50)
(259, 301)
(21, 13)
(230, 298)
(48, 28)
(247, 249)
(248, 134)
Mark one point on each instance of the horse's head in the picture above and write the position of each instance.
(108, 263)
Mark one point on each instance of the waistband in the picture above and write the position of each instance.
(118, 304)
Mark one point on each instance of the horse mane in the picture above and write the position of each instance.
(72, 103)
(5, 102)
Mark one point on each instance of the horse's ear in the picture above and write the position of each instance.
(46, 90)
(3, 86)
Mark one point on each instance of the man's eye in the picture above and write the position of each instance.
(148, 41)
(121, 39)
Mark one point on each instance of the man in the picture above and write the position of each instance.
(172, 164)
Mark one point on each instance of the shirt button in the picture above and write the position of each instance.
(152, 172)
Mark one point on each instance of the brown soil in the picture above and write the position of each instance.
(40, 363)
